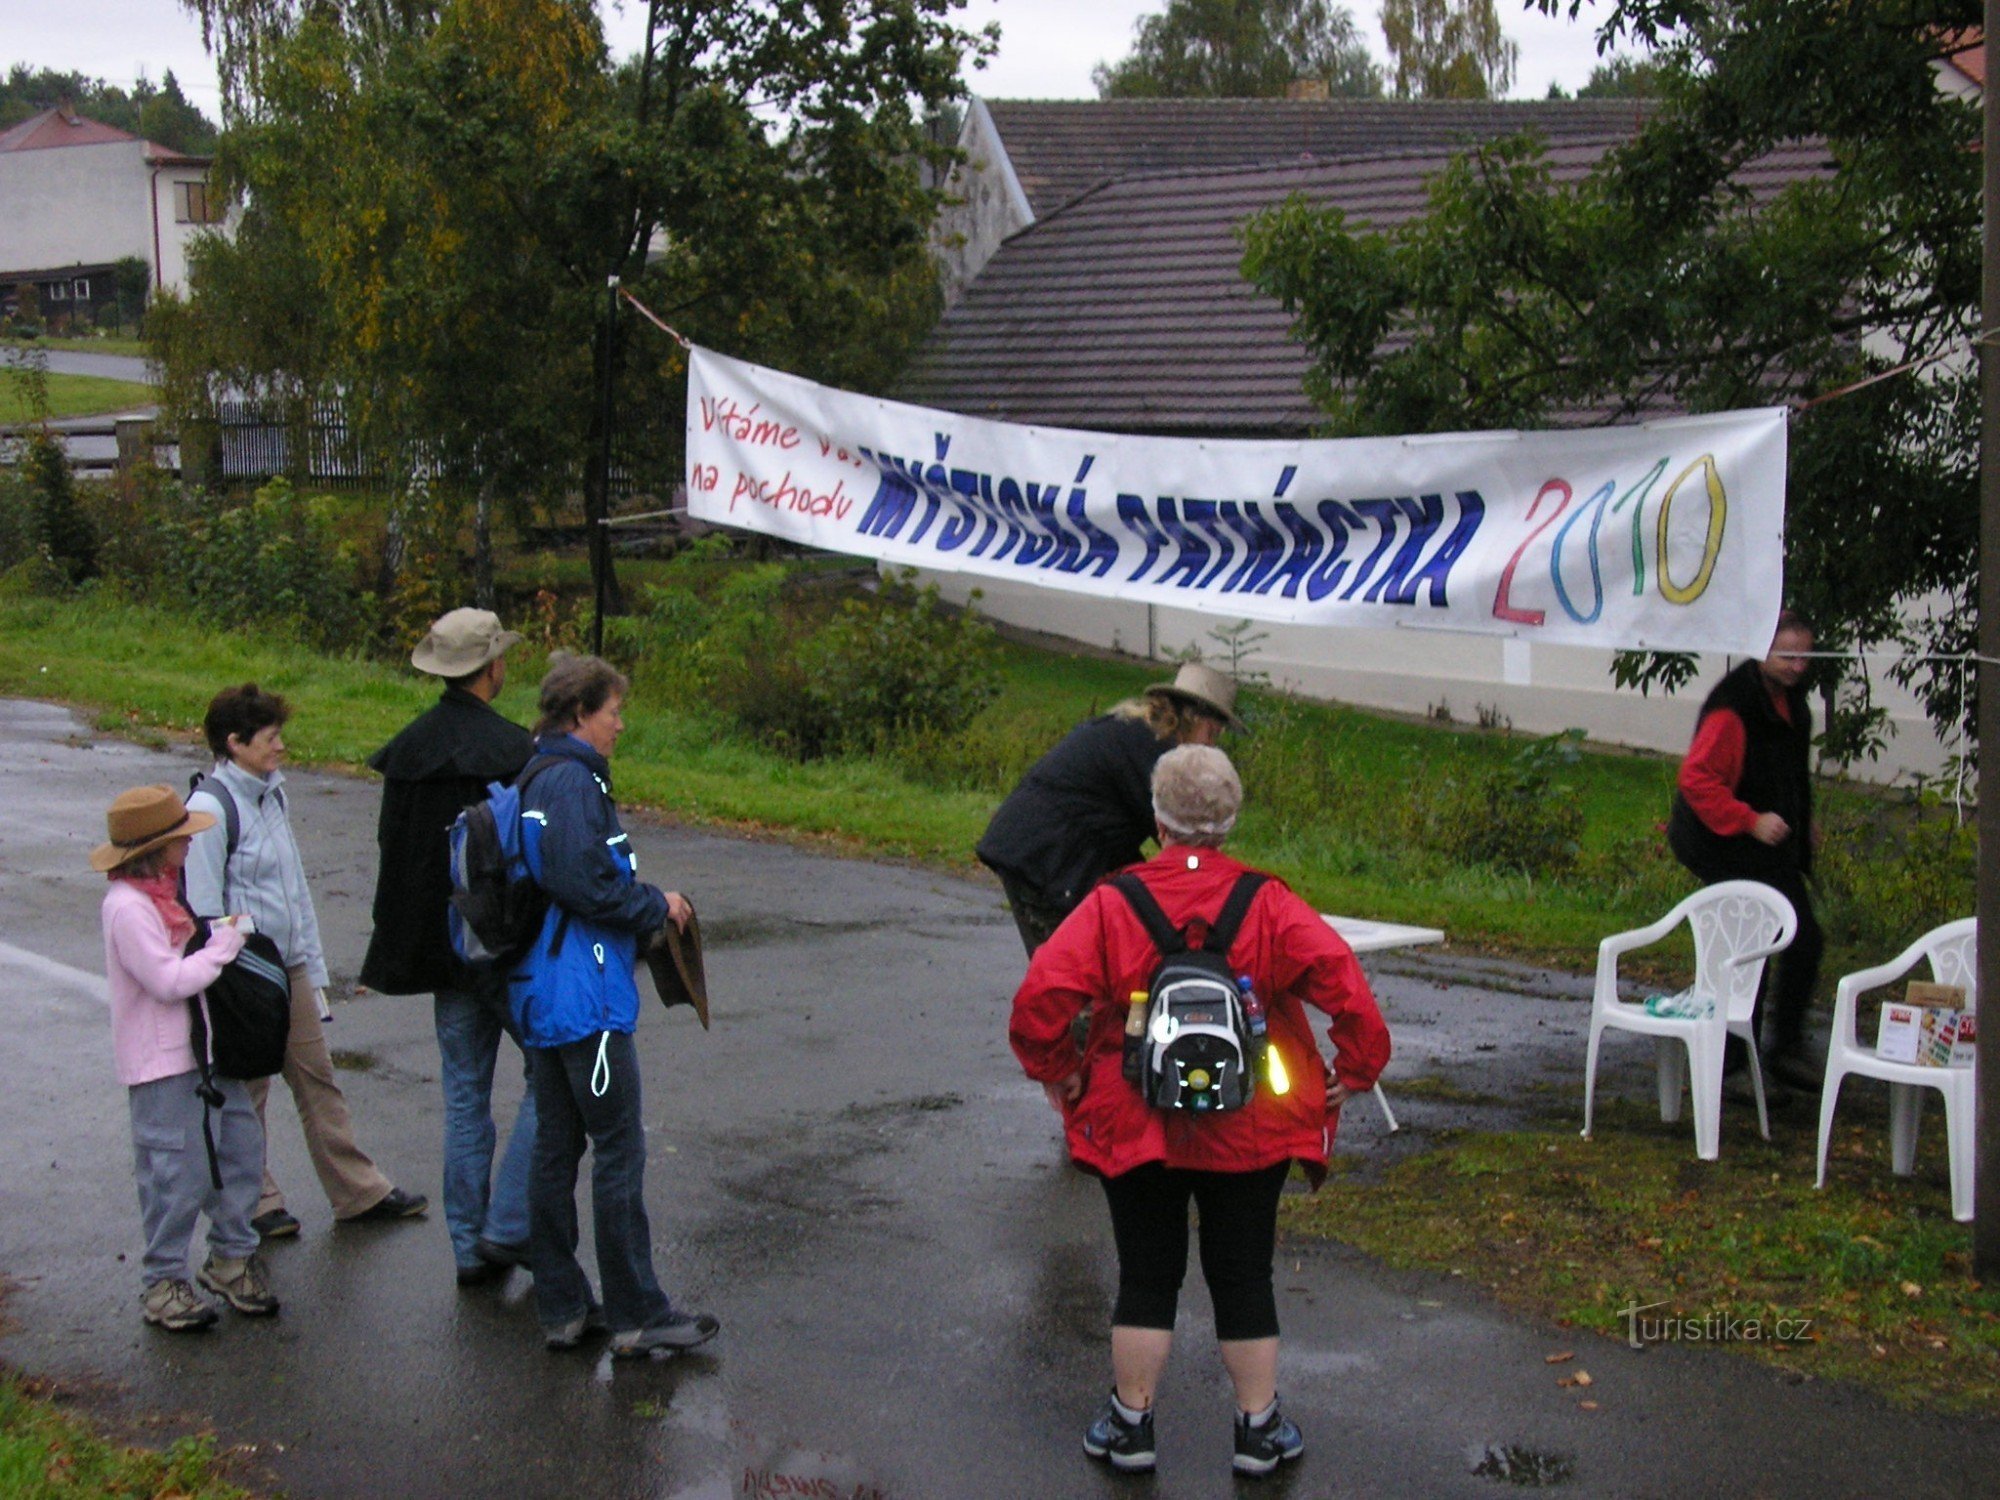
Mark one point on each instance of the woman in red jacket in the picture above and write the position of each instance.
(1233, 1164)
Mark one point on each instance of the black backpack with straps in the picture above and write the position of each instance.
(1198, 1050)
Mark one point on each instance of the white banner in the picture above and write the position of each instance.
(1666, 536)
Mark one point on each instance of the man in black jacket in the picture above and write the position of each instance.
(439, 765)
(1743, 810)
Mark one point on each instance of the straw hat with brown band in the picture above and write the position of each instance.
(143, 819)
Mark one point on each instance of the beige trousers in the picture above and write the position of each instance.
(353, 1183)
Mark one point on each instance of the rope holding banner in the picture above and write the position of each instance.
(651, 317)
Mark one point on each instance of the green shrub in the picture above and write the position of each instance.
(273, 561)
(898, 664)
(62, 532)
(1518, 815)
(1888, 872)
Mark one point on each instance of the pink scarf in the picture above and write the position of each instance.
(163, 889)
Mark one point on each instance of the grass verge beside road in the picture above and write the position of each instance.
(1867, 1282)
(130, 348)
(48, 1454)
(76, 396)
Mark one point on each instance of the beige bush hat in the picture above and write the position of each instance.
(462, 642)
(1210, 691)
(143, 819)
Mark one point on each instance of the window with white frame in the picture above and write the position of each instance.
(80, 288)
(59, 291)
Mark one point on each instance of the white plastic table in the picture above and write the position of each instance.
(1364, 935)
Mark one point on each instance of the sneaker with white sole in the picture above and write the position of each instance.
(241, 1283)
(1126, 1446)
(681, 1331)
(1261, 1449)
(571, 1331)
(178, 1307)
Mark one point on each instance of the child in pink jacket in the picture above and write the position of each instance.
(151, 982)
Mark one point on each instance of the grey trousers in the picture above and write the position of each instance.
(170, 1165)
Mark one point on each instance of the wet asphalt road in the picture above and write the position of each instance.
(852, 1174)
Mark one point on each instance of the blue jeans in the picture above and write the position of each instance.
(480, 1204)
(571, 1114)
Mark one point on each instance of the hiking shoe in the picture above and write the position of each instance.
(1259, 1450)
(240, 1283)
(1126, 1446)
(496, 1254)
(178, 1307)
(568, 1335)
(397, 1205)
(1795, 1071)
(274, 1224)
(681, 1331)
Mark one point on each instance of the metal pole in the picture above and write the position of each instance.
(597, 507)
(1986, 1222)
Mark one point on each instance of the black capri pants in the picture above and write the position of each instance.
(1239, 1233)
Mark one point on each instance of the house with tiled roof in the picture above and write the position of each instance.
(1026, 158)
(1115, 302)
(77, 196)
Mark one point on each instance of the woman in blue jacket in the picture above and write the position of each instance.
(576, 1002)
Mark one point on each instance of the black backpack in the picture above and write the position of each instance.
(496, 907)
(241, 1024)
(1198, 1047)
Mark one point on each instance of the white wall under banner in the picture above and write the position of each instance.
(1539, 689)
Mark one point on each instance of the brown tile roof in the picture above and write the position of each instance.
(53, 128)
(1061, 149)
(1127, 312)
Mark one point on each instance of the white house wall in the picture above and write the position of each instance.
(987, 203)
(1538, 689)
(86, 205)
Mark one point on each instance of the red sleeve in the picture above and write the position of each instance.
(1068, 972)
(1709, 775)
(1313, 962)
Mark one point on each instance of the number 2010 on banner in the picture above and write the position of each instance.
(1595, 508)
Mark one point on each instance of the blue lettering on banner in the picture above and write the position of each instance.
(1221, 547)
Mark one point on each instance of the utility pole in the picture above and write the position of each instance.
(597, 482)
(1986, 1221)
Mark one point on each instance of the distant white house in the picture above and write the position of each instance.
(78, 196)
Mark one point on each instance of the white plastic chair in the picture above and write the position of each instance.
(1737, 924)
(1953, 952)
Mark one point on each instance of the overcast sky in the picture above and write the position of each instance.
(1047, 47)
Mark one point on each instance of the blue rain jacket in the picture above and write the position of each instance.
(577, 980)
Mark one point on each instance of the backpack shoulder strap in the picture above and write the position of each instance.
(537, 763)
(1166, 937)
(1222, 932)
(232, 820)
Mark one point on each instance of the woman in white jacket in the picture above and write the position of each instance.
(247, 862)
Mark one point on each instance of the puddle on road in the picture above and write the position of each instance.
(1529, 1468)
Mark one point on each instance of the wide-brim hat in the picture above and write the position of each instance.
(1210, 691)
(674, 957)
(462, 642)
(141, 820)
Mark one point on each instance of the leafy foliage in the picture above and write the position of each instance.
(1520, 815)
(1241, 49)
(779, 656)
(158, 112)
(439, 195)
(273, 562)
(1659, 281)
(1448, 49)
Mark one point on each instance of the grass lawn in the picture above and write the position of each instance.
(132, 348)
(76, 396)
(1870, 1278)
(48, 1454)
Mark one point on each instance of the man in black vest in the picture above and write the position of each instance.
(1743, 811)
(439, 765)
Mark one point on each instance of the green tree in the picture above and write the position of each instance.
(1448, 49)
(1660, 280)
(1241, 49)
(449, 188)
(1622, 78)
